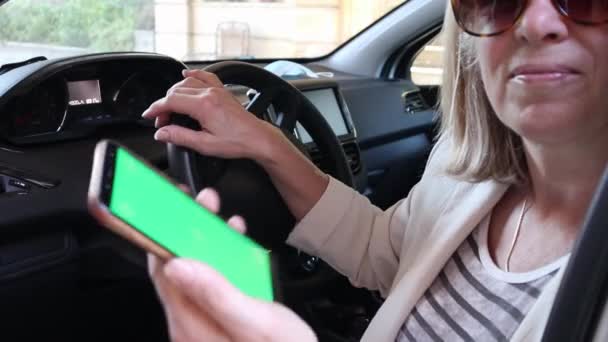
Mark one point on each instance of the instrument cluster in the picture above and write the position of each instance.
(77, 98)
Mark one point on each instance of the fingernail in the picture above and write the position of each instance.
(204, 193)
(184, 72)
(202, 196)
(161, 134)
(143, 115)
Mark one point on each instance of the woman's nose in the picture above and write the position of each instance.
(541, 22)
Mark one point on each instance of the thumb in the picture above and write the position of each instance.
(211, 292)
(241, 317)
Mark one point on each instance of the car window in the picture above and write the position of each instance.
(187, 30)
(427, 68)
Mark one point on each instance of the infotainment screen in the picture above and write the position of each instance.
(326, 102)
(84, 92)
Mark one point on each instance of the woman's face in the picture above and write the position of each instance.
(547, 77)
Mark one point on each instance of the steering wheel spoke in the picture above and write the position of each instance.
(286, 122)
(261, 101)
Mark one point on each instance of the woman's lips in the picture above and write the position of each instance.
(542, 73)
(541, 77)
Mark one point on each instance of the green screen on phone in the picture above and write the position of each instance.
(168, 216)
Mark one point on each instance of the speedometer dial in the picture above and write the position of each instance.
(41, 111)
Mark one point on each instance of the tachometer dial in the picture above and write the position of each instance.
(138, 93)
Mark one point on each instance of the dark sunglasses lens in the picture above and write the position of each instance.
(487, 17)
(585, 11)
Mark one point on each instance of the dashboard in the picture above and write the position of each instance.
(96, 91)
(53, 112)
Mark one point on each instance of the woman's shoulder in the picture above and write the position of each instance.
(445, 204)
(435, 173)
(438, 186)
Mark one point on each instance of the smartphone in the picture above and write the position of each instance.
(136, 201)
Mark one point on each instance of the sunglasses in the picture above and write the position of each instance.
(485, 18)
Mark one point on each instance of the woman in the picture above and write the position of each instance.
(477, 249)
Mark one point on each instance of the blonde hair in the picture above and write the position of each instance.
(481, 146)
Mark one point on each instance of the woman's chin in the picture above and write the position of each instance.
(550, 125)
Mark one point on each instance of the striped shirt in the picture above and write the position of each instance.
(474, 300)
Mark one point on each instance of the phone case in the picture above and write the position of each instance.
(102, 213)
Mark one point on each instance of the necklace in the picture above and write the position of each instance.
(516, 235)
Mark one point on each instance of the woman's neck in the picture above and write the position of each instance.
(563, 178)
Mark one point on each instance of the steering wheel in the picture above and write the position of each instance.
(244, 187)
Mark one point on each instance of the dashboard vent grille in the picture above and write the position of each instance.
(351, 150)
(413, 102)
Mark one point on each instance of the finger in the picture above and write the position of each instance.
(162, 121)
(237, 222)
(209, 199)
(159, 279)
(203, 76)
(186, 90)
(179, 135)
(189, 86)
(154, 264)
(189, 323)
(200, 141)
(190, 82)
(187, 104)
(184, 188)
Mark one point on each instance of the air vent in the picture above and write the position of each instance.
(351, 150)
(353, 156)
(413, 102)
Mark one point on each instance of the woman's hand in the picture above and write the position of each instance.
(201, 305)
(228, 130)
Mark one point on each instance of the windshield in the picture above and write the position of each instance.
(184, 29)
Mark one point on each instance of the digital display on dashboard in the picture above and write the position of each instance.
(326, 102)
(84, 92)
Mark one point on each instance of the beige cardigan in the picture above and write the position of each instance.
(400, 251)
